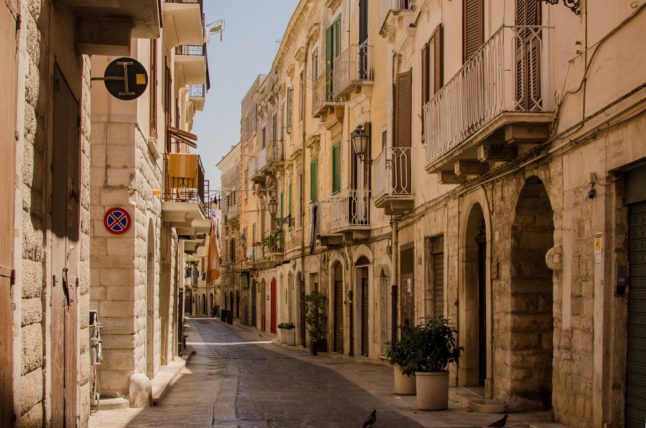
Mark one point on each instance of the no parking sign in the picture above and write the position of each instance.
(117, 221)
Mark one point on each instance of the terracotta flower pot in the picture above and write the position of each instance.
(404, 385)
(432, 390)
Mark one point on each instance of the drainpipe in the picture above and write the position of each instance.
(302, 195)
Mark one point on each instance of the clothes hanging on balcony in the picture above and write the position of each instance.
(313, 221)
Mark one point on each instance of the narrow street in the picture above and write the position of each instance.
(239, 378)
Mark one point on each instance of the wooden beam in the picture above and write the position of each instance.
(468, 167)
(446, 177)
(526, 133)
(496, 152)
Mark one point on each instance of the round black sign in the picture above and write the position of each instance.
(126, 78)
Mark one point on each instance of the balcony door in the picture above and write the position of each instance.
(332, 50)
(528, 43)
(363, 39)
(400, 158)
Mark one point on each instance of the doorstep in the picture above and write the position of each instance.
(472, 400)
(168, 375)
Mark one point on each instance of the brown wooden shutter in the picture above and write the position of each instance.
(438, 58)
(425, 82)
(404, 107)
(472, 27)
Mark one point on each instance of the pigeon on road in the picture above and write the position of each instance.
(371, 419)
(499, 423)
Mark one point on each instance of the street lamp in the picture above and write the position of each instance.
(361, 143)
(272, 205)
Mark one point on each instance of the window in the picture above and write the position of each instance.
(289, 203)
(290, 109)
(332, 50)
(434, 293)
(282, 209)
(255, 118)
(299, 213)
(472, 27)
(336, 168)
(274, 128)
(432, 64)
(314, 180)
(315, 64)
(263, 136)
(384, 139)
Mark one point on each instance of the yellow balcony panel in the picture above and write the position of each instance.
(183, 23)
(184, 200)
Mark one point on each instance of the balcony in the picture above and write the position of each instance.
(392, 14)
(197, 95)
(191, 65)
(107, 29)
(257, 176)
(183, 22)
(233, 212)
(275, 155)
(493, 108)
(393, 181)
(326, 236)
(350, 214)
(185, 195)
(273, 249)
(352, 70)
(262, 160)
(323, 100)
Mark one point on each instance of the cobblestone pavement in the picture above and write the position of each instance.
(238, 378)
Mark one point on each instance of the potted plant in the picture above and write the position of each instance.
(433, 346)
(399, 355)
(316, 319)
(287, 333)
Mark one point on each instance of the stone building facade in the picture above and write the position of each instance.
(45, 364)
(141, 163)
(502, 188)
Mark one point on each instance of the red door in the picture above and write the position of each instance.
(272, 326)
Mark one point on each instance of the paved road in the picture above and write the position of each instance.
(240, 379)
(277, 390)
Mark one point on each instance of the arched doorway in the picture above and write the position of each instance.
(473, 302)
(150, 302)
(203, 304)
(210, 311)
(532, 235)
(337, 286)
(272, 314)
(254, 293)
(362, 293)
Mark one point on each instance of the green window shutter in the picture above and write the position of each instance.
(282, 209)
(314, 179)
(329, 58)
(289, 203)
(336, 168)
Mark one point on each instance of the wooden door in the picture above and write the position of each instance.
(365, 305)
(65, 252)
(338, 310)
(635, 368)
(401, 159)
(394, 319)
(301, 287)
(528, 55)
(407, 286)
(8, 79)
(254, 320)
(272, 324)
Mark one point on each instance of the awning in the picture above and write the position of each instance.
(183, 136)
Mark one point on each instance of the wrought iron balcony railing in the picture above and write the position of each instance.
(352, 67)
(275, 153)
(184, 180)
(504, 76)
(350, 210)
(393, 173)
(191, 50)
(322, 95)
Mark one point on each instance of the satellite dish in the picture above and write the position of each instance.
(125, 78)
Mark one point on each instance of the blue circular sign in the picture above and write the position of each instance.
(117, 221)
